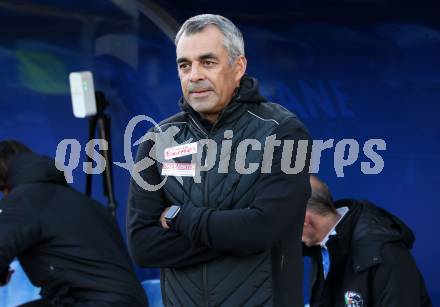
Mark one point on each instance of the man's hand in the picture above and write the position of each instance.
(163, 222)
(5, 276)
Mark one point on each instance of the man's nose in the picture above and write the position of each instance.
(196, 73)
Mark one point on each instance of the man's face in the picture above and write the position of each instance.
(208, 80)
(311, 234)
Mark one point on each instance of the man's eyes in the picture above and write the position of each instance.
(205, 63)
(208, 63)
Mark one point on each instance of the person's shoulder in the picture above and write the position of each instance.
(396, 258)
(396, 254)
(277, 114)
(273, 112)
(20, 199)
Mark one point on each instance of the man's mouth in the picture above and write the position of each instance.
(200, 93)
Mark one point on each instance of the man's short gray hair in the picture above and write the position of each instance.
(233, 40)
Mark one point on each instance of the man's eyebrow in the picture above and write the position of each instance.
(208, 56)
(202, 57)
(180, 60)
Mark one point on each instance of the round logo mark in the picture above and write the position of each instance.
(353, 299)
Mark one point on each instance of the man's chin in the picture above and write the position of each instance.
(307, 243)
(202, 106)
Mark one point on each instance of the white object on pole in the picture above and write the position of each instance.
(82, 91)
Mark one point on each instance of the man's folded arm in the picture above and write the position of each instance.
(151, 245)
(278, 208)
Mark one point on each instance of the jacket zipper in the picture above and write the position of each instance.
(205, 199)
(198, 127)
(205, 285)
(205, 269)
(213, 126)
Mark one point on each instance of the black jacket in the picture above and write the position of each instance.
(237, 239)
(370, 262)
(68, 244)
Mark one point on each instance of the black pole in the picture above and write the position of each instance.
(92, 128)
(103, 122)
(103, 132)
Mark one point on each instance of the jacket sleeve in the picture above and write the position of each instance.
(397, 282)
(19, 229)
(278, 207)
(150, 245)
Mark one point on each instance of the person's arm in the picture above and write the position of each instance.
(397, 282)
(19, 230)
(279, 205)
(150, 245)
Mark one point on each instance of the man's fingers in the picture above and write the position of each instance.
(163, 222)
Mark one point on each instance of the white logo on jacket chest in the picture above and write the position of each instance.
(179, 169)
(180, 151)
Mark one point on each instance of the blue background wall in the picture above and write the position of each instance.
(350, 70)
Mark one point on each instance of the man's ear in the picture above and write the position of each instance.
(240, 67)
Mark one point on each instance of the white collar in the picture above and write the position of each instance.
(342, 212)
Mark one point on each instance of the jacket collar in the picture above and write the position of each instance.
(247, 93)
(342, 212)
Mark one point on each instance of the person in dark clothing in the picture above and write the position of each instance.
(67, 244)
(361, 254)
(228, 241)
